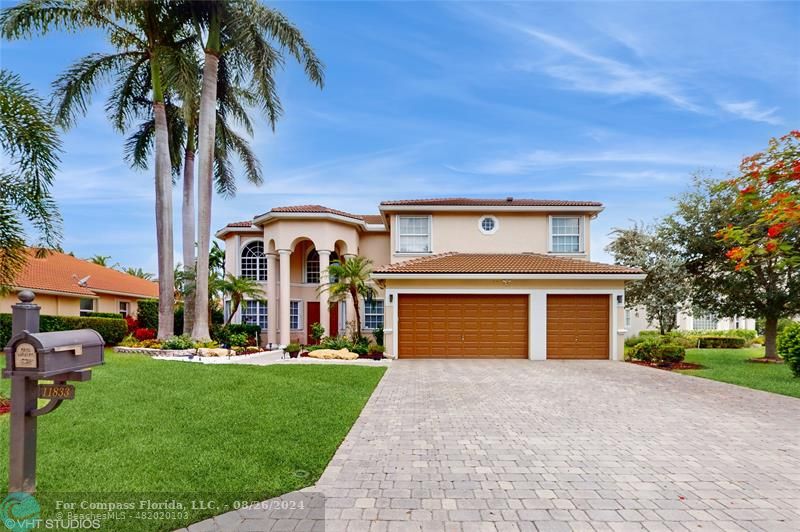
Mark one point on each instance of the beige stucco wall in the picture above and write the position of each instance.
(375, 246)
(53, 305)
(516, 233)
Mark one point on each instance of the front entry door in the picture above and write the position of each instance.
(312, 316)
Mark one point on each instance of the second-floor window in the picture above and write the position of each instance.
(413, 234)
(566, 234)
(254, 262)
(312, 267)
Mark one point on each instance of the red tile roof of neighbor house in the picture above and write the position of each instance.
(501, 263)
(246, 223)
(477, 202)
(59, 272)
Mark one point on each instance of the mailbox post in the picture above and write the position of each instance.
(32, 356)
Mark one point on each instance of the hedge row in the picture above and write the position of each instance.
(720, 342)
(222, 333)
(113, 315)
(112, 330)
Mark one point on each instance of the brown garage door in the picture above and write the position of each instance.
(577, 326)
(462, 326)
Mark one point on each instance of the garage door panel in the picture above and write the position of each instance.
(577, 326)
(465, 325)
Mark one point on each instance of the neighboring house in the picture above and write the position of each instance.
(636, 322)
(508, 278)
(67, 286)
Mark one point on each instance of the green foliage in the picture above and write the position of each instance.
(178, 342)
(665, 291)
(30, 152)
(650, 332)
(360, 346)
(292, 348)
(337, 342)
(147, 313)
(720, 342)
(350, 278)
(237, 340)
(111, 329)
(112, 315)
(378, 334)
(761, 325)
(317, 331)
(222, 333)
(178, 314)
(789, 347)
(375, 348)
(129, 341)
(658, 350)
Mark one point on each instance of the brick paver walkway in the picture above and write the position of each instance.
(551, 446)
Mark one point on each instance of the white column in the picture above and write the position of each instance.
(272, 298)
(324, 311)
(537, 318)
(285, 296)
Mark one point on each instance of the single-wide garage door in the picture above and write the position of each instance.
(577, 326)
(462, 326)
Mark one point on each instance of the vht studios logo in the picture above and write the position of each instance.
(20, 512)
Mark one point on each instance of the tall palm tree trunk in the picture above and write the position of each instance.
(188, 227)
(206, 139)
(164, 237)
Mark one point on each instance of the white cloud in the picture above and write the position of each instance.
(752, 110)
(593, 72)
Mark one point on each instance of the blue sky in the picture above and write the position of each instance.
(616, 102)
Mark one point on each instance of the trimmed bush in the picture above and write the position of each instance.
(658, 351)
(178, 342)
(645, 350)
(113, 315)
(147, 313)
(670, 354)
(292, 348)
(720, 342)
(789, 347)
(650, 332)
(112, 330)
(222, 333)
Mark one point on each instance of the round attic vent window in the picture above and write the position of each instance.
(488, 225)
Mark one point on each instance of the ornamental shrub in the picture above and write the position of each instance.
(113, 330)
(645, 350)
(147, 313)
(720, 342)
(317, 331)
(132, 324)
(178, 342)
(222, 333)
(377, 332)
(238, 340)
(668, 354)
(112, 315)
(337, 342)
(292, 348)
(789, 347)
(143, 333)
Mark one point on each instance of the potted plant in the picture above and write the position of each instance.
(293, 349)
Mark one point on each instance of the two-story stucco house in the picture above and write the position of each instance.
(458, 277)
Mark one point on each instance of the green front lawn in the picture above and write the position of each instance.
(731, 365)
(190, 431)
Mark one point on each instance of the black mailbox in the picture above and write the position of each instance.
(43, 355)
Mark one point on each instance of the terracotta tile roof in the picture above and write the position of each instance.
(477, 202)
(372, 218)
(60, 272)
(246, 223)
(501, 263)
(315, 209)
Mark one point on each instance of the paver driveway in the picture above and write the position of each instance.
(572, 445)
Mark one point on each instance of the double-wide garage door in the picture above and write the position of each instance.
(496, 326)
(463, 326)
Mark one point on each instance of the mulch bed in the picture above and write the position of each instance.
(671, 367)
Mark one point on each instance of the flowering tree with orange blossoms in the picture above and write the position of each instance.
(744, 248)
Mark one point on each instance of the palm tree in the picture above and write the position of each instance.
(350, 278)
(140, 273)
(233, 101)
(239, 288)
(147, 36)
(238, 33)
(101, 260)
(31, 146)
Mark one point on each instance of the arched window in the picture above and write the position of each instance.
(312, 267)
(254, 262)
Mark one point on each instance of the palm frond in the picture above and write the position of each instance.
(73, 89)
(42, 16)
